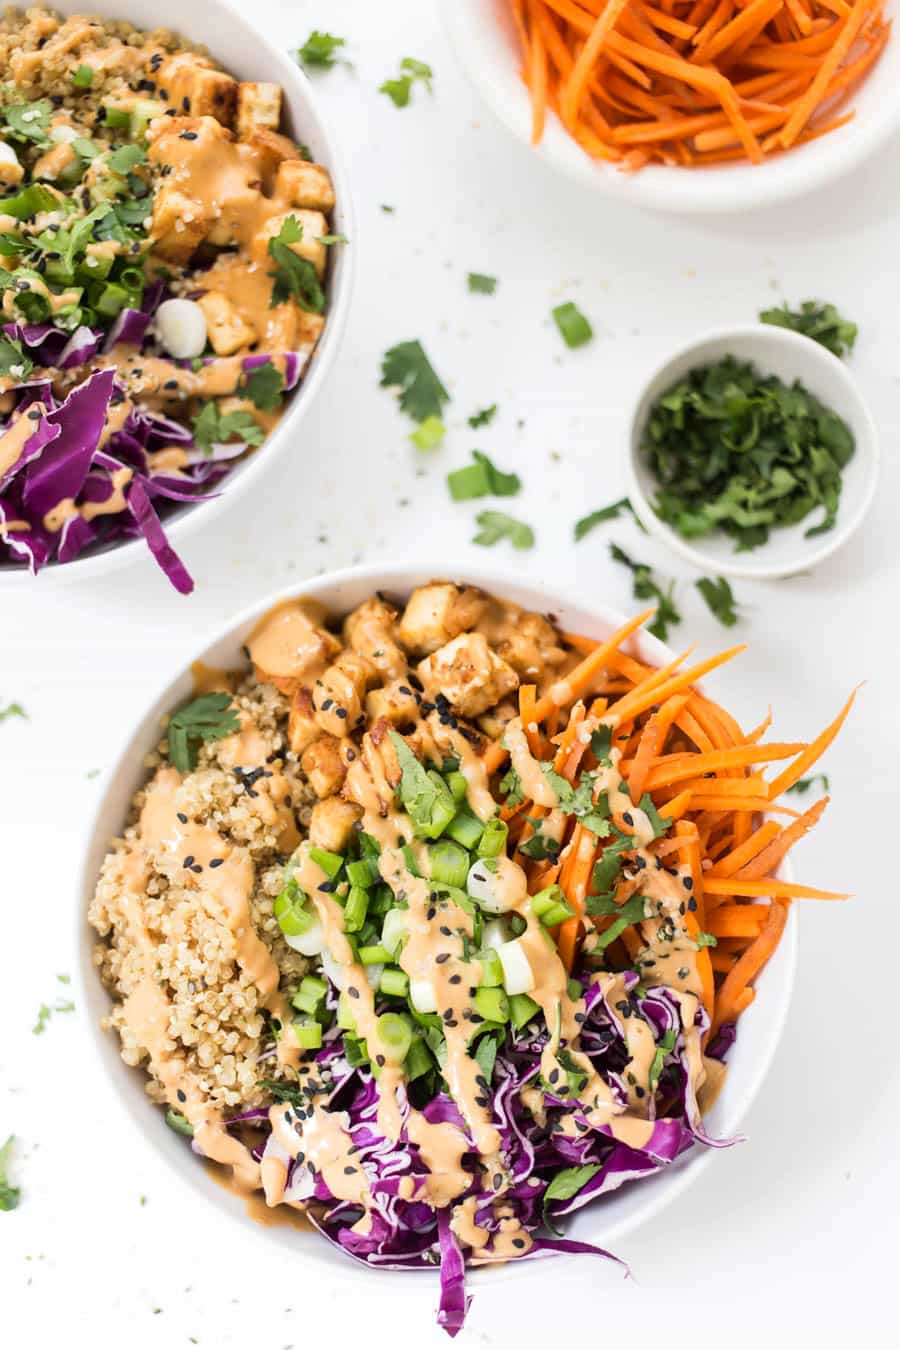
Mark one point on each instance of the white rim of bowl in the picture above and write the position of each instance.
(395, 576)
(192, 518)
(845, 529)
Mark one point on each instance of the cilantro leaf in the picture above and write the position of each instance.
(633, 911)
(29, 201)
(329, 239)
(83, 77)
(706, 940)
(419, 792)
(804, 784)
(126, 158)
(481, 479)
(399, 90)
(605, 513)
(665, 1045)
(660, 824)
(14, 361)
(496, 525)
(407, 368)
(319, 50)
(428, 434)
(511, 787)
(483, 417)
(210, 717)
(601, 742)
(646, 587)
(28, 121)
(264, 386)
(818, 321)
(9, 1194)
(606, 873)
(719, 598)
(579, 801)
(572, 324)
(46, 1011)
(294, 276)
(481, 284)
(565, 1185)
(212, 426)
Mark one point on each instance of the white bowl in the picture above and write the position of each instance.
(774, 351)
(483, 37)
(604, 1223)
(245, 53)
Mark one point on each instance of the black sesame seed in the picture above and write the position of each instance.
(189, 861)
(455, 979)
(442, 957)
(518, 1243)
(182, 817)
(379, 1060)
(216, 862)
(182, 1096)
(628, 818)
(341, 712)
(692, 904)
(498, 1180)
(349, 1171)
(353, 991)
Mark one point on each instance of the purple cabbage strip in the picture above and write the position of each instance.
(145, 517)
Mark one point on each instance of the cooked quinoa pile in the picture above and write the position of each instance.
(217, 1019)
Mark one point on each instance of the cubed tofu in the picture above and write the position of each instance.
(300, 183)
(371, 630)
(313, 224)
(338, 694)
(469, 675)
(527, 641)
(190, 84)
(11, 171)
(178, 226)
(270, 149)
(438, 612)
(52, 163)
(331, 824)
(258, 105)
(325, 764)
(303, 729)
(395, 702)
(226, 330)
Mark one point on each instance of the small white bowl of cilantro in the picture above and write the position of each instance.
(752, 451)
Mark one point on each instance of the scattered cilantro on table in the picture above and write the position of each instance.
(321, 51)
(483, 417)
(496, 525)
(572, 324)
(406, 367)
(9, 1194)
(804, 784)
(481, 284)
(646, 587)
(719, 598)
(411, 71)
(605, 513)
(12, 710)
(481, 478)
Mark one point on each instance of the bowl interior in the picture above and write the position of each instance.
(483, 34)
(616, 1214)
(791, 357)
(245, 53)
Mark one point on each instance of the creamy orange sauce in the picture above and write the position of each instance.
(288, 642)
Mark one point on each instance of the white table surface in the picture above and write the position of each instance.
(794, 1231)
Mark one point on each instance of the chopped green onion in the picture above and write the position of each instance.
(551, 907)
(491, 968)
(112, 299)
(522, 1009)
(449, 863)
(428, 434)
(575, 990)
(308, 1033)
(363, 873)
(458, 785)
(330, 863)
(574, 327)
(83, 77)
(345, 1019)
(493, 840)
(289, 909)
(116, 117)
(355, 1051)
(29, 202)
(355, 909)
(469, 483)
(492, 1004)
(393, 931)
(376, 955)
(179, 1123)
(465, 828)
(310, 994)
(394, 981)
(394, 1033)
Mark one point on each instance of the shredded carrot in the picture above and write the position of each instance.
(746, 852)
(807, 758)
(638, 82)
(731, 999)
(769, 886)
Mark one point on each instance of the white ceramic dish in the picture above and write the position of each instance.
(605, 1223)
(245, 53)
(774, 351)
(483, 37)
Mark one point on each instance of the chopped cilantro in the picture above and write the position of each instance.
(659, 824)
(665, 1046)
(633, 911)
(430, 806)
(601, 742)
(319, 50)
(481, 479)
(294, 276)
(127, 157)
(579, 801)
(9, 1194)
(29, 201)
(46, 1011)
(329, 239)
(804, 784)
(496, 525)
(399, 90)
(818, 321)
(83, 77)
(605, 513)
(207, 718)
(572, 324)
(407, 368)
(264, 386)
(719, 598)
(27, 122)
(212, 426)
(511, 786)
(14, 361)
(483, 417)
(565, 1185)
(428, 434)
(480, 284)
(647, 588)
(706, 940)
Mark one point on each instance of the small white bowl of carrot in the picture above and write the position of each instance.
(687, 105)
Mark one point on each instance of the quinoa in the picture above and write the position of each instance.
(217, 1021)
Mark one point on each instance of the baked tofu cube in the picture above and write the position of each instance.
(331, 824)
(468, 674)
(226, 330)
(178, 225)
(324, 763)
(303, 729)
(190, 84)
(371, 630)
(303, 184)
(258, 105)
(11, 171)
(438, 612)
(313, 224)
(338, 695)
(395, 703)
(271, 150)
